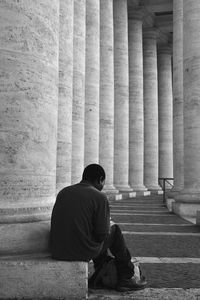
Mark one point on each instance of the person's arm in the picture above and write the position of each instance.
(102, 220)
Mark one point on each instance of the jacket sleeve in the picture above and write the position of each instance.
(102, 219)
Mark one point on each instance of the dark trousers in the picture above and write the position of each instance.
(116, 244)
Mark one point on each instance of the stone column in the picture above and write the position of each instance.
(92, 74)
(28, 111)
(29, 49)
(165, 113)
(64, 135)
(121, 94)
(178, 97)
(150, 109)
(78, 108)
(188, 201)
(106, 134)
(136, 107)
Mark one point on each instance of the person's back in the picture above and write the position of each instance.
(81, 230)
(79, 223)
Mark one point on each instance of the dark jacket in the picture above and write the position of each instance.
(79, 222)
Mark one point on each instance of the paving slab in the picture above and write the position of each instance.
(148, 294)
(165, 275)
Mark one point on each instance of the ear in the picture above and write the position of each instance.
(101, 179)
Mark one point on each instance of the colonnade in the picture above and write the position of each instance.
(85, 81)
(84, 85)
(109, 125)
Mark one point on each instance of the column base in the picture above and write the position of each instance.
(174, 192)
(154, 189)
(143, 193)
(186, 210)
(110, 189)
(128, 195)
(112, 193)
(156, 192)
(12, 214)
(138, 188)
(141, 190)
(188, 195)
(187, 203)
(123, 188)
(114, 197)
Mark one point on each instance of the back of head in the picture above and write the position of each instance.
(93, 172)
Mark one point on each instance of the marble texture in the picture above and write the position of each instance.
(189, 197)
(64, 133)
(92, 74)
(106, 132)
(121, 96)
(29, 99)
(149, 294)
(136, 105)
(150, 109)
(178, 144)
(191, 77)
(43, 278)
(78, 105)
(165, 112)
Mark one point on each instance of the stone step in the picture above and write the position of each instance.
(37, 278)
(148, 294)
(167, 247)
(173, 228)
(22, 238)
(138, 202)
(137, 207)
(158, 245)
(142, 218)
(138, 211)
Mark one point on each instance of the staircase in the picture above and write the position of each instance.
(167, 247)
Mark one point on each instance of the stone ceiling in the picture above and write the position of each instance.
(157, 13)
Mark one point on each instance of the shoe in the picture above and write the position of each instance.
(131, 284)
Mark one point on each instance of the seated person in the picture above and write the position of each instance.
(81, 229)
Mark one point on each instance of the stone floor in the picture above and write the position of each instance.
(167, 247)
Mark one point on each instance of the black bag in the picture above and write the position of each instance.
(105, 276)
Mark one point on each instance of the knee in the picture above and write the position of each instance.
(115, 228)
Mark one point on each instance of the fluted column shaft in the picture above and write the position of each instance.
(178, 96)
(106, 134)
(121, 93)
(78, 108)
(92, 82)
(165, 113)
(28, 111)
(191, 79)
(150, 109)
(136, 107)
(64, 134)
(29, 50)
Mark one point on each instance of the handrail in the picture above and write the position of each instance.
(163, 185)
